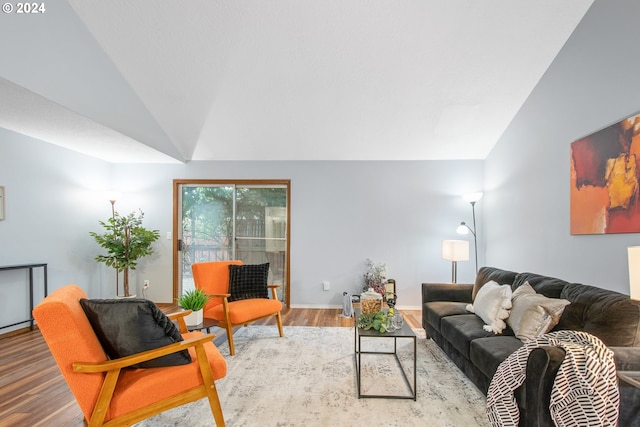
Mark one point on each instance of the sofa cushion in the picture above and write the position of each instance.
(533, 314)
(492, 304)
(129, 326)
(611, 316)
(461, 329)
(487, 353)
(547, 286)
(436, 310)
(487, 274)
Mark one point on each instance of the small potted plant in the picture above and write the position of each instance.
(193, 300)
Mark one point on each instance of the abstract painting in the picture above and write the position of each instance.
(605, 171)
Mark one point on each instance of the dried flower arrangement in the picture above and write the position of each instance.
(375, 277)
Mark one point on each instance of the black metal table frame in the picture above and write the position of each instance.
(404, 333)
(30, 267)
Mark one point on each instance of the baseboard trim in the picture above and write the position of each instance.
(315, 306)
(19, 331)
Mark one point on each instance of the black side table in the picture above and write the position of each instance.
(206, 324)
(29, 267)
(404, 333)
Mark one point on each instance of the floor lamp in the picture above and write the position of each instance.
(112, 199)
(454, 251)
(463, 228)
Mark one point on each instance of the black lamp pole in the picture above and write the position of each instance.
(113, 216)
(473, 231)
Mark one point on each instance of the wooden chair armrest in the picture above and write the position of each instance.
(179, 317)
(123, 362)
(273, 288)
(219, 295)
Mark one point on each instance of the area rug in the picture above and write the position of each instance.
(307, 378)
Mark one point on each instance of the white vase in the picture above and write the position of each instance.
(194, 318)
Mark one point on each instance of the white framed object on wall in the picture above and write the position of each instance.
(1, 203)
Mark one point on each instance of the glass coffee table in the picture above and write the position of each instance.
(405, 333)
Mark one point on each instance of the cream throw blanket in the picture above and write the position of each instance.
(585, 391)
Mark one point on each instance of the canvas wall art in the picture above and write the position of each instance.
(605, 172)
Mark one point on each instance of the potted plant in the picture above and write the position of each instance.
(193, 300)
(126, 241)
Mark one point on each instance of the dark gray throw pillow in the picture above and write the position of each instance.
(248, 281)
(129, 326)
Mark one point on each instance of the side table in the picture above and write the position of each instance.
(403, 333)
(29, 267)
(206, 324)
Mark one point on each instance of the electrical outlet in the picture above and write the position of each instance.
(146, 284)
(326, 285)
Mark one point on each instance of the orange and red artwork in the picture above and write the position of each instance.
(605, 172)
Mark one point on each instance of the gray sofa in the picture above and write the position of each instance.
(611, 316)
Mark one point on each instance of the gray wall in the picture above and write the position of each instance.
(342, 213)
(592, 83)
(50, 206)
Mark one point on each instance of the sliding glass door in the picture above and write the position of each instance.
(223, 220)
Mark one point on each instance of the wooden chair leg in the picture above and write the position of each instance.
(279, 321)
(216, 409)
(104, 399)
(212, 392)
(232, 350)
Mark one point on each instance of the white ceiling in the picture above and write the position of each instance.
(172, 81)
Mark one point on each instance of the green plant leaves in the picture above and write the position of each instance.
(377, 321)
(125, 240)
(194, 299)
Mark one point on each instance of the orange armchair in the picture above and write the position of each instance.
(108, 393)
(213, 278)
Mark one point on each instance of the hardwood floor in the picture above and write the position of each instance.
(34, 393)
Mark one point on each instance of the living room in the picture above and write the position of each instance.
(396, 212)
(345, 211)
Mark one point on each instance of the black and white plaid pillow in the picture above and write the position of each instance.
(248, 281)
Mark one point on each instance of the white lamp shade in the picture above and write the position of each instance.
(455, 250)
(462, 229)
(472, 197)
(633, 253)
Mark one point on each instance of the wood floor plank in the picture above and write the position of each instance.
(33, 393)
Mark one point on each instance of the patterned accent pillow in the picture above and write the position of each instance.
(129, 326)
(248, 281)
(492, 305)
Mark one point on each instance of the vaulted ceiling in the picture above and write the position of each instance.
(165, 81)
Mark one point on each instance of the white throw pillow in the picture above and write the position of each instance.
(492, 305)
(533, 314)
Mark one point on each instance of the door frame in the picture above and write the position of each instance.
(176, 210)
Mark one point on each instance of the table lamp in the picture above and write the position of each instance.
(454, 251)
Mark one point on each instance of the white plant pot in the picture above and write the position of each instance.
(195, 318)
